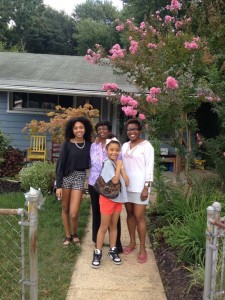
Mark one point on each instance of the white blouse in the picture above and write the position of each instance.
(139, 164)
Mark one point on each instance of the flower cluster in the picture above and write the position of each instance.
(175, 5)
(193, 44)
(129, 105)
(152, 46)
(171, 83)
(116, 52)
(109, 87)
(93, 57)
(133, 47)
(213, 98)
(120, 27)
(151, 98)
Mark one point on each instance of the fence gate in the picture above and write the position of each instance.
(214, 285)
(18, 252)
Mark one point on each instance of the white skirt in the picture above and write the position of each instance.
(135, 198)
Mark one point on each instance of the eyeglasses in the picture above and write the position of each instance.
(133, 129)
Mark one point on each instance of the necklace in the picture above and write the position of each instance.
(80, 147)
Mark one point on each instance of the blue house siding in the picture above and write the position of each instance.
(12, 124)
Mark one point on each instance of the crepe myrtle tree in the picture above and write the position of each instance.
(168, 64)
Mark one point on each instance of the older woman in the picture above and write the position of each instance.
(138, 160)
(98, 155)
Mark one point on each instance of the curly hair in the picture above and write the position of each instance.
(103, 123)
(134, 121)
(87, 125)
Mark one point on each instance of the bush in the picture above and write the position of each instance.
(12, 162)
(38, 175)
(4, 142)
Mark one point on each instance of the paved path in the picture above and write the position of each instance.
(130, 280)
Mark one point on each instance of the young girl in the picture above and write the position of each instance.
(74, 159)
(110, 208)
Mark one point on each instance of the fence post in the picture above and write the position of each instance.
(33, 241)
(208, 255)
(217, 210)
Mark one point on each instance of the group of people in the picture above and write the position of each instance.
(131, 163)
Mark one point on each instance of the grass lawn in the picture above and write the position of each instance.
(55, 262)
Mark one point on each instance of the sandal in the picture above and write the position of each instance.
(67, 241)
(75, 239)
(127, 250)
(142, 259)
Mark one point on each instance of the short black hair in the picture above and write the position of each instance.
(103, 123)
(87, 124)
(134, 121)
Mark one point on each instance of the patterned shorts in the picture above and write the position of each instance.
(74, 181)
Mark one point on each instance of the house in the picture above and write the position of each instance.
(33, 84)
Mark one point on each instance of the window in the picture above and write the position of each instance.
(38, 102)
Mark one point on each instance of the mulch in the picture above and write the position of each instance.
(7, 186)
(175, 277)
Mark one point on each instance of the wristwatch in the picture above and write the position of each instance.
(148, 184)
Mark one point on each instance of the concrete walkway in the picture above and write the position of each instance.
(129, 281)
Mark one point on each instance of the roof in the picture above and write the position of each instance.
(56, 74)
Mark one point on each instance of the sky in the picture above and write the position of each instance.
(68, 5)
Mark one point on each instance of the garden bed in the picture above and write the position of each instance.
(8, 186)
(175, 277)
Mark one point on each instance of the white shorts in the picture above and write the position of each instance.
(136, 198)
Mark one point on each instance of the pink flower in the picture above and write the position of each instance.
(210, 98)
(171, 83)
(190, 45)
(132, 102)
(134, 47)
(92, 57)
(175, 5)
(218, 99)
(151, 99)
(141, 116)
(124, 100)
(109, 87)
(154, 91)
(223, 153)
(142, 25)
(129, 111)
(117, 52)
(178, 24)
(120, 27)
(152, 46)
(168, 19)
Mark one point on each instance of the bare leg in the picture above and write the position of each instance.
(105, 222)
(65, 211)
(131, 224)
(139, 213)
(113, 229)
(75, 201)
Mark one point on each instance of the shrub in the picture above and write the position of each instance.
(12, 162)
(4, 142)
(38, 175)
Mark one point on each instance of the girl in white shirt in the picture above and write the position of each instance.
(138, 160)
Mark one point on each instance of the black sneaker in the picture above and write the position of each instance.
(113, 255)
(97, 255)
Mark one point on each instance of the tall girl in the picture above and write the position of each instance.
(71, 168)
